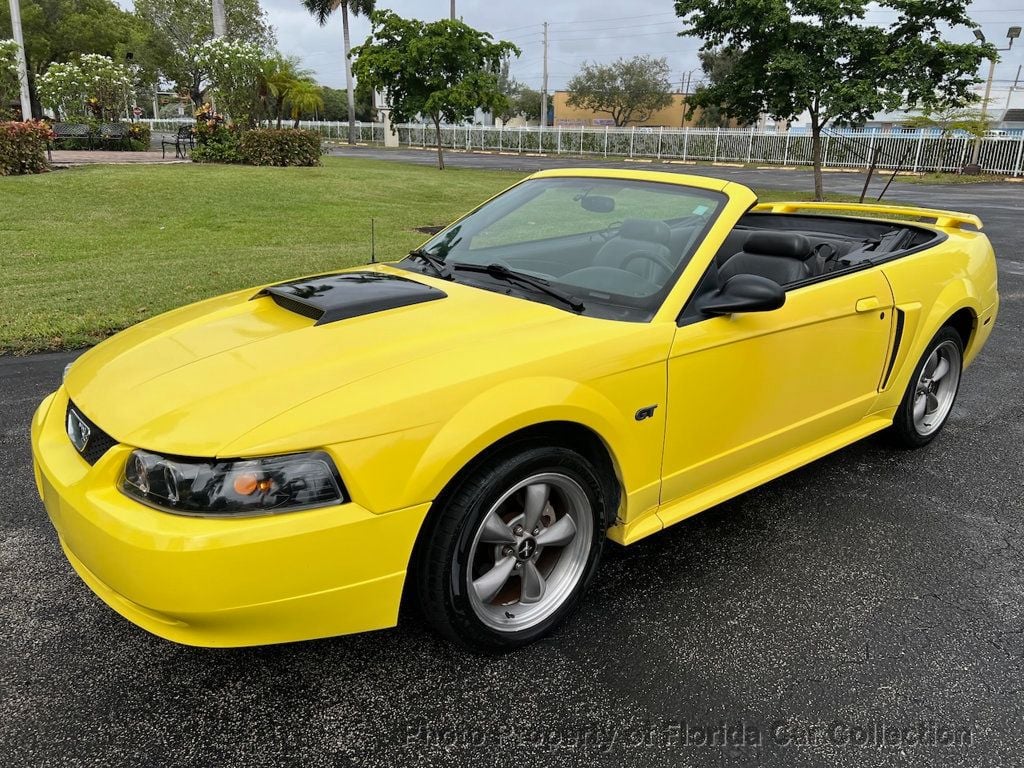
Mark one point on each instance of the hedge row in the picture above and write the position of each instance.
(289, 146)
(261, 146)
(23, 148)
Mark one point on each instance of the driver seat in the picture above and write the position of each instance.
(638, 236)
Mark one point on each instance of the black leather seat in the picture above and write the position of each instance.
(780, 256)
(641, 246)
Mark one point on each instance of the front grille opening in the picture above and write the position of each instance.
(99, 441)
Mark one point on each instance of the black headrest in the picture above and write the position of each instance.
(784, 244)
(649, 230)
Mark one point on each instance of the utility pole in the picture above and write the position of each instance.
(220, 27)
(19, 38)
(544, 85)
(686, 96)
(453, 10)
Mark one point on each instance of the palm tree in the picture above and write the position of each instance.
(321, 11)
(278, 75)
(305, 96)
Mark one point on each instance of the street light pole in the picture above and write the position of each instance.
(22, 64)
(1012, 34)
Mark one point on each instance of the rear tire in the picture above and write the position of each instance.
(512, 550)
(932, 390)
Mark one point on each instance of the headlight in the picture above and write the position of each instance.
(240, 487)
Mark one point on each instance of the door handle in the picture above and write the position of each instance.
(868, 304)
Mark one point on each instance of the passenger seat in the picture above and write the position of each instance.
(780, 256)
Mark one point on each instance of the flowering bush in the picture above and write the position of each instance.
(9, 85)
(23, 148)
(291, 146)
(94, 86)
(139, 135)
(233, 68)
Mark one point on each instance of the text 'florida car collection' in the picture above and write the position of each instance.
(591, 354)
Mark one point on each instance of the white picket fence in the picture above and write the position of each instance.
(910, 151)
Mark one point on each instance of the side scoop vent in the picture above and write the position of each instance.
(328, 298)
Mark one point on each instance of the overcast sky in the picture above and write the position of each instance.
(580, 30)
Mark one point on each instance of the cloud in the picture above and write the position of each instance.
(580, 30)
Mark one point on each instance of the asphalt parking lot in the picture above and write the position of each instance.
(814, 621)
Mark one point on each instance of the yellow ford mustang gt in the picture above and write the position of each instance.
(591, 354)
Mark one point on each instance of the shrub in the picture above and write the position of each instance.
(139, 135)
(290, 146)
(216, 143)
(23, 148)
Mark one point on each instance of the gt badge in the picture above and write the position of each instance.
(645, 413)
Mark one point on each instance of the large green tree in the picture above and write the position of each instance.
(176, 29)
(523, 101)
(822, 58)
(717, 65)
(443, 70)
(321, 11)
(336, 104)
(60, 30)
(628, 90)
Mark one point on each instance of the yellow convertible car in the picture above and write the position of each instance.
(591, 354)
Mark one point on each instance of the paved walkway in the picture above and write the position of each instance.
(66, 158)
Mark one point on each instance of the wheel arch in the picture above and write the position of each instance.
(565, 434)
(965, 322)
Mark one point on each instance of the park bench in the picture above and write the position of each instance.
(71, 132)
(184, 140)
(115, 133)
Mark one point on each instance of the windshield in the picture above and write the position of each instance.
(615, 245)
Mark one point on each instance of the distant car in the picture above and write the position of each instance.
(591, 354)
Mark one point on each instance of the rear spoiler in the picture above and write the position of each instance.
(950, 219)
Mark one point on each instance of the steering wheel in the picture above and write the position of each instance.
(651, 257)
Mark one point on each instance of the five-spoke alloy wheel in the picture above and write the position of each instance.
(932, 391)
(510, 552)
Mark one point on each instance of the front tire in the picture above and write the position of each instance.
(514, 547)
(933, 388)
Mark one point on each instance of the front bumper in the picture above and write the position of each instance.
(227, 582)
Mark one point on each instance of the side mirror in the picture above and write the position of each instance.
(598, 203)
(744, 293)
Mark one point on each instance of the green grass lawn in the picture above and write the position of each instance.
(86, 252)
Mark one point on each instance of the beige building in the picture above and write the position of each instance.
(669, 117)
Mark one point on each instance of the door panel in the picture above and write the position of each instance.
(747, 388)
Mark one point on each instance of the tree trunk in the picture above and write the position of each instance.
(280, 110)
(348, 76)
(819, 186)
(296, 125)
(220, 27)
(437, 133)
(33, 95)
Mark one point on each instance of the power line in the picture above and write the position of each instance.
(612, 18)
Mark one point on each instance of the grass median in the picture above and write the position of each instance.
(89, 251)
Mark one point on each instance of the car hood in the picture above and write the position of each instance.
(194, 380)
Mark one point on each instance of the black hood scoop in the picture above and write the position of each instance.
(328, 298)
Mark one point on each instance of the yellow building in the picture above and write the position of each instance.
(669, 117)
